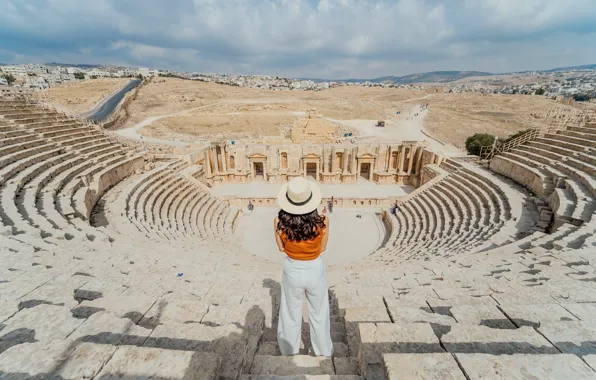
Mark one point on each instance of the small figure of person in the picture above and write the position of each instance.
(250, 206)
(302, 234)
(330, 206)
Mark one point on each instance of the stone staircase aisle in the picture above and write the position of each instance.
(268, 364)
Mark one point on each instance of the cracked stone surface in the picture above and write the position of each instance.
(65, 358)
(380, 338)
(535, 315)
(583, 311)
(38, 323)
(437, 366)
(524, 367)
(482, 339)
(577, 337)
(354, 316)
(141, 362)
(229, 342)
(485, 315)
(107, 328)
(133, 307)
(174, 309)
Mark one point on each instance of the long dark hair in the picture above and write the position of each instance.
(300, 227)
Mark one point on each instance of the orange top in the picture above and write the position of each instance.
(304, 250)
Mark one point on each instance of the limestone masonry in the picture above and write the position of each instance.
(118, 261)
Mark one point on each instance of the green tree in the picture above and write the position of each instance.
(477, 141)
(93, 76)
(9, 78)
(540, 91)
(79, 76)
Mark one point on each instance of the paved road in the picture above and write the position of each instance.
(105, 108)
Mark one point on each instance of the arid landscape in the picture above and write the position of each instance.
(186, 110)
(81, 96)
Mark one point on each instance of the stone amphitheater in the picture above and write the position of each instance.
(119, 263)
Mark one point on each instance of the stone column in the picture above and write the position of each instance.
(411, 160)
(354, 160)
(208, 161)
(402, 154)
(332, 160)
(223, 160)
(216, 160)
(323, 161)
(345, 160)
(389, 156)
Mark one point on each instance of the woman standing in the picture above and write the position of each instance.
(302, 234)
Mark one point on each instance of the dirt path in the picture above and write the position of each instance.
(133, 134)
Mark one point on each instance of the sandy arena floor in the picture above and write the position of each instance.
(350, 238)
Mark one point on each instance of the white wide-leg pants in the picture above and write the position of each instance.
(304, 278)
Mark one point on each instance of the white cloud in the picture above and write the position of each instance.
(332, 38)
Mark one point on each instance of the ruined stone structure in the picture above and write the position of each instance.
(337, 163)
(118, 263)
(313, 129)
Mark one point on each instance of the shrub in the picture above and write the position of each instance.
(540, 91)
(79, 76)
(478, 140)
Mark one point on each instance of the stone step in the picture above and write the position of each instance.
(301, 377)
(291, 365)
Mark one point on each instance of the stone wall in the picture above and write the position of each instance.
(519, 173)
(327, 163)
(104, 180)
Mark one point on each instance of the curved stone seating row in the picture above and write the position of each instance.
(172, 205)
(45, 158)
(457, 214)
(561, 169)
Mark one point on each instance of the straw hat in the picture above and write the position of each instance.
(299, 196)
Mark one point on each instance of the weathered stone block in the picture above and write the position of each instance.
(172, 309)
(534, 315)
(38, 323)
(152, 363)
(55, 357)
(128, 306)
(106, 328)
(292, 365)
(482, 315)
(482, 339)
(439, 366)
(380, 338)
(524, 367)
(576, 337)
(354, 316)
(229, 342)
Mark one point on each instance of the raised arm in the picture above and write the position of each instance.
(280, 243)
(325, 235)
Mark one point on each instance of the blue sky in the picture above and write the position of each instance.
(302, 38)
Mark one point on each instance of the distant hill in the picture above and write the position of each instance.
(582, 67)
(444, 76)
(433, 76)
(79, 65)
